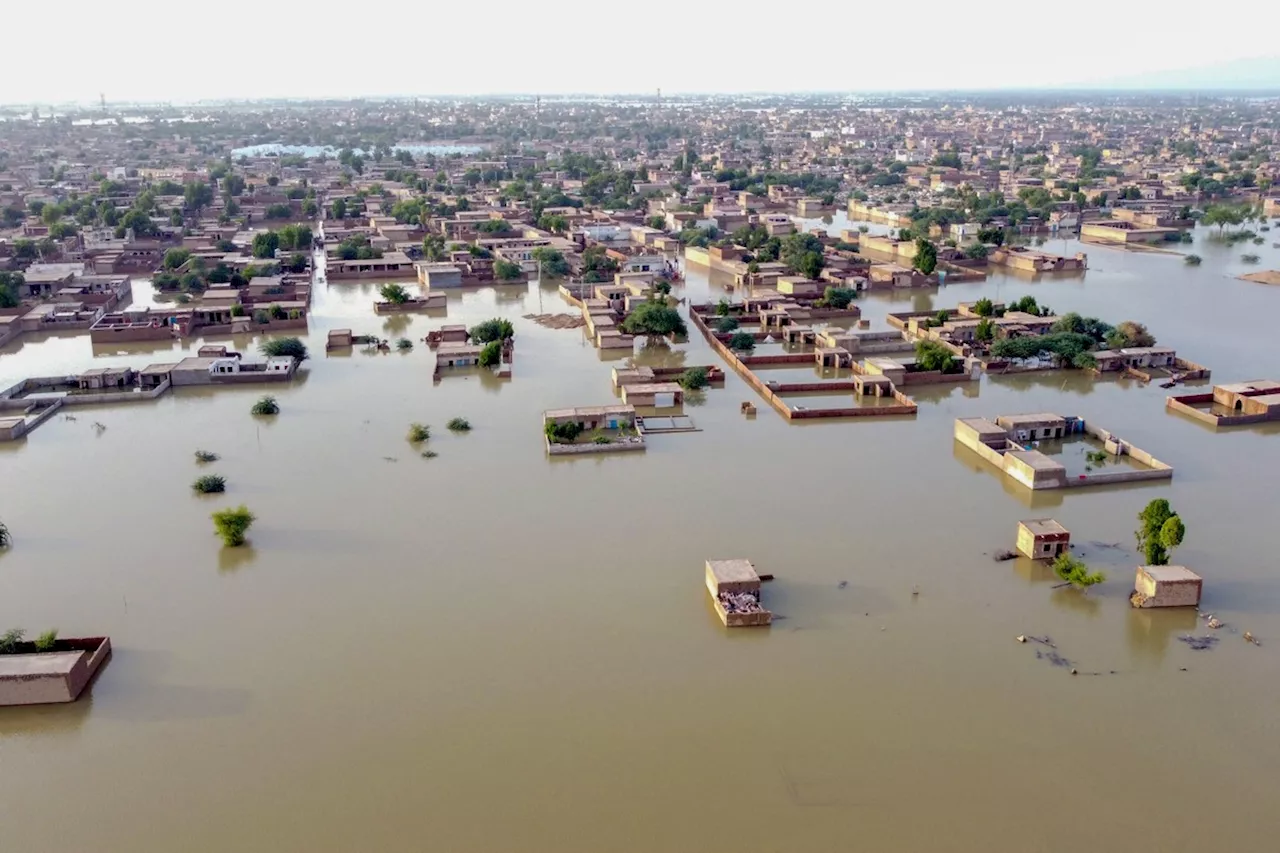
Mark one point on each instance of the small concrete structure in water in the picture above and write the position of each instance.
(1042, 538)
(735, 593)
(1166, 586)
(32, 677)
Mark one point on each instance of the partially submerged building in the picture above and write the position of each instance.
(734, 586)
(1237, 404)
(1166, 586)
(1042, 538)
(1007, 443)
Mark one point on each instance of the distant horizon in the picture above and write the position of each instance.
(283, 53)
(1065, 91)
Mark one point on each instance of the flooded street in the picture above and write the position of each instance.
(495, 651)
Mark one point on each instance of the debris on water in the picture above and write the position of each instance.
(915, 590)
(1249, 638)
(389, 459)
(1022, 638)
(1199, 644)
(1053, 658)
(1075, 671)
(1113, 545)
(1001, 556)
(842, 584)
(1214, 622)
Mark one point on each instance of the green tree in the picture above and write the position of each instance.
(926, 257)
(496, 329)
(175, 258)
(551, 262)
(265, 244)
(994, 236)
(654, 319)
(727, 324)
(394, 293)
(295, 237)
(506, 270)
(491, 354)
(197, 195)
(931, 355)
(280, 347)
(837, 297)
(742, 342)
(985, 331)
(984, 307)
(11, 288)
(1161, 531)
(338, 209)
(1130, 334)
(433, 247)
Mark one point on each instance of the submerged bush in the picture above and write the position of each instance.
(694, 378)
(429, 454)
(232, 524)
(9, 640)
(1192, 260)
(459, 425)
(742, 341)
(419, 433)
(1075, 572)
(209, 484)
(404, 344)
(5, 538)
(47, 641)
(206, 456)
(266, 406)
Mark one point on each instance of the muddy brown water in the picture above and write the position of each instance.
(494, 651)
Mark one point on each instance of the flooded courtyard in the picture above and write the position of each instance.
(492, 650)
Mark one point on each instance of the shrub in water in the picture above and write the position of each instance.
(47, 641)
(209, 484)
(459, 425)
(232, 524)
(266, 406)
(419, 433)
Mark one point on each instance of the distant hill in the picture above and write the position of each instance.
(1262, 72)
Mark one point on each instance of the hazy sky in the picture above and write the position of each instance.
(176, 50)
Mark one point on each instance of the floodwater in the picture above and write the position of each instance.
(495, 651)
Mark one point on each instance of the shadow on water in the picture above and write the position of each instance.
(1076, 601)
(1151, 630)
(231, 560)
(34, 720)
(1033, 571)
(137, 691)
(1254, 597)
(808, 605)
